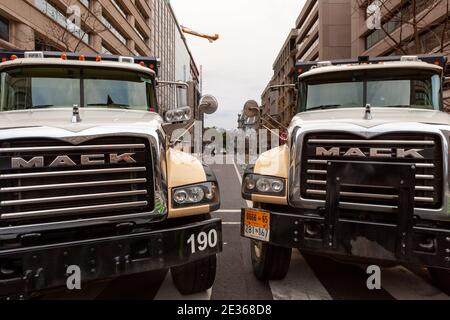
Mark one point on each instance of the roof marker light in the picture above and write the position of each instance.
(4, 60)
(34, 55)
(409, 59)
(13, 57)
(142, 64)
(321, 64)
(82, 58)
(63, 56)
(126, 59)
(98, 58)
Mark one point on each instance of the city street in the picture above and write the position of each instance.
(309, 278)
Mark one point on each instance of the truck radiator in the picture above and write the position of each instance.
(423, 151)
(44, 180)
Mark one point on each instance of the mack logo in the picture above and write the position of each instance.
(67, 161)
(372, 153)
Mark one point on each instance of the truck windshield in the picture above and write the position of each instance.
(39, 87)
(394, 88)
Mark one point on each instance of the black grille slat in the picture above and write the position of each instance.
(429, 169)
(135, 188)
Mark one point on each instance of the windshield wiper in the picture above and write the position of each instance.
(109, 105)
(409, 106)
(325, 106)
(41, 106)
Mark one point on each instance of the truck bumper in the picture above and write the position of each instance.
(359, 240)
(45, 267)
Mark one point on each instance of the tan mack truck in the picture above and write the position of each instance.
(89, 182)
(364, 176)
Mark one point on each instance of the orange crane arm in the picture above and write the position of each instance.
(211, 38)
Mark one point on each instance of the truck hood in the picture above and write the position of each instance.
(380, 116)
(93, 117)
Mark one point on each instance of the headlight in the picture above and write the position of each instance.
(254, 183)
(178, 115)
(199, 194)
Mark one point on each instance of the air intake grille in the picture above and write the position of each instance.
(423, 151)
(46, 180)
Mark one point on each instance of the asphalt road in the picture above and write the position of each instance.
(309, 278)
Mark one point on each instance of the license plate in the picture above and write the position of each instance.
(257, 224)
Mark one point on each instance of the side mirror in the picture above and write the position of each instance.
(208, 104)
(251, 109)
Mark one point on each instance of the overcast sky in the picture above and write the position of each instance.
(238, 66)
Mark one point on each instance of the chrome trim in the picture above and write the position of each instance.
(317, 182)
(324, 183)
(424, 188)
(418, 165)
(298, 140)
(75, 148)
(419, 176)
(152, 132)
(73, 185)
(70, 173)
(374, 142)
(369, 195)
(322, 172)
(72, 198)
(425, 176)
(52, 212)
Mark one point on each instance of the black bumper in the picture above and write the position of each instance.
(45, 267)
(359, 240)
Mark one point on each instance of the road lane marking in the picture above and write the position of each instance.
(403, 284)
(300, 283)
(231, 223)
(168, 291)
(228, 211)
(249, 203)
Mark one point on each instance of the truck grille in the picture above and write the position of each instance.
(396, 148)
(45, 180)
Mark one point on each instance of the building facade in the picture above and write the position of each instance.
(339, 29)
(406, 27)
(121, 27)
(322, 32)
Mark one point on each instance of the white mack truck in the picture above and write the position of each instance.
(365, 174)
(88, 180)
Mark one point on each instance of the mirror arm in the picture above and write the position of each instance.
(172, 143)
(174, 83)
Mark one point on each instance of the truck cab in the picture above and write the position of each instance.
(365, 174)
(89, 180)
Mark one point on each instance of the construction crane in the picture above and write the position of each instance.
(211, 38)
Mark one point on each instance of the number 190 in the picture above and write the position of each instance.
(203, 240)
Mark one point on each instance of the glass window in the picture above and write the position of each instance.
(345, 94)
(30, 88)
(4, 29)
(116, 89)
(379, 88)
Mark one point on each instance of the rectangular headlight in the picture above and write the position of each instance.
(257, 184)
(194, 195)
